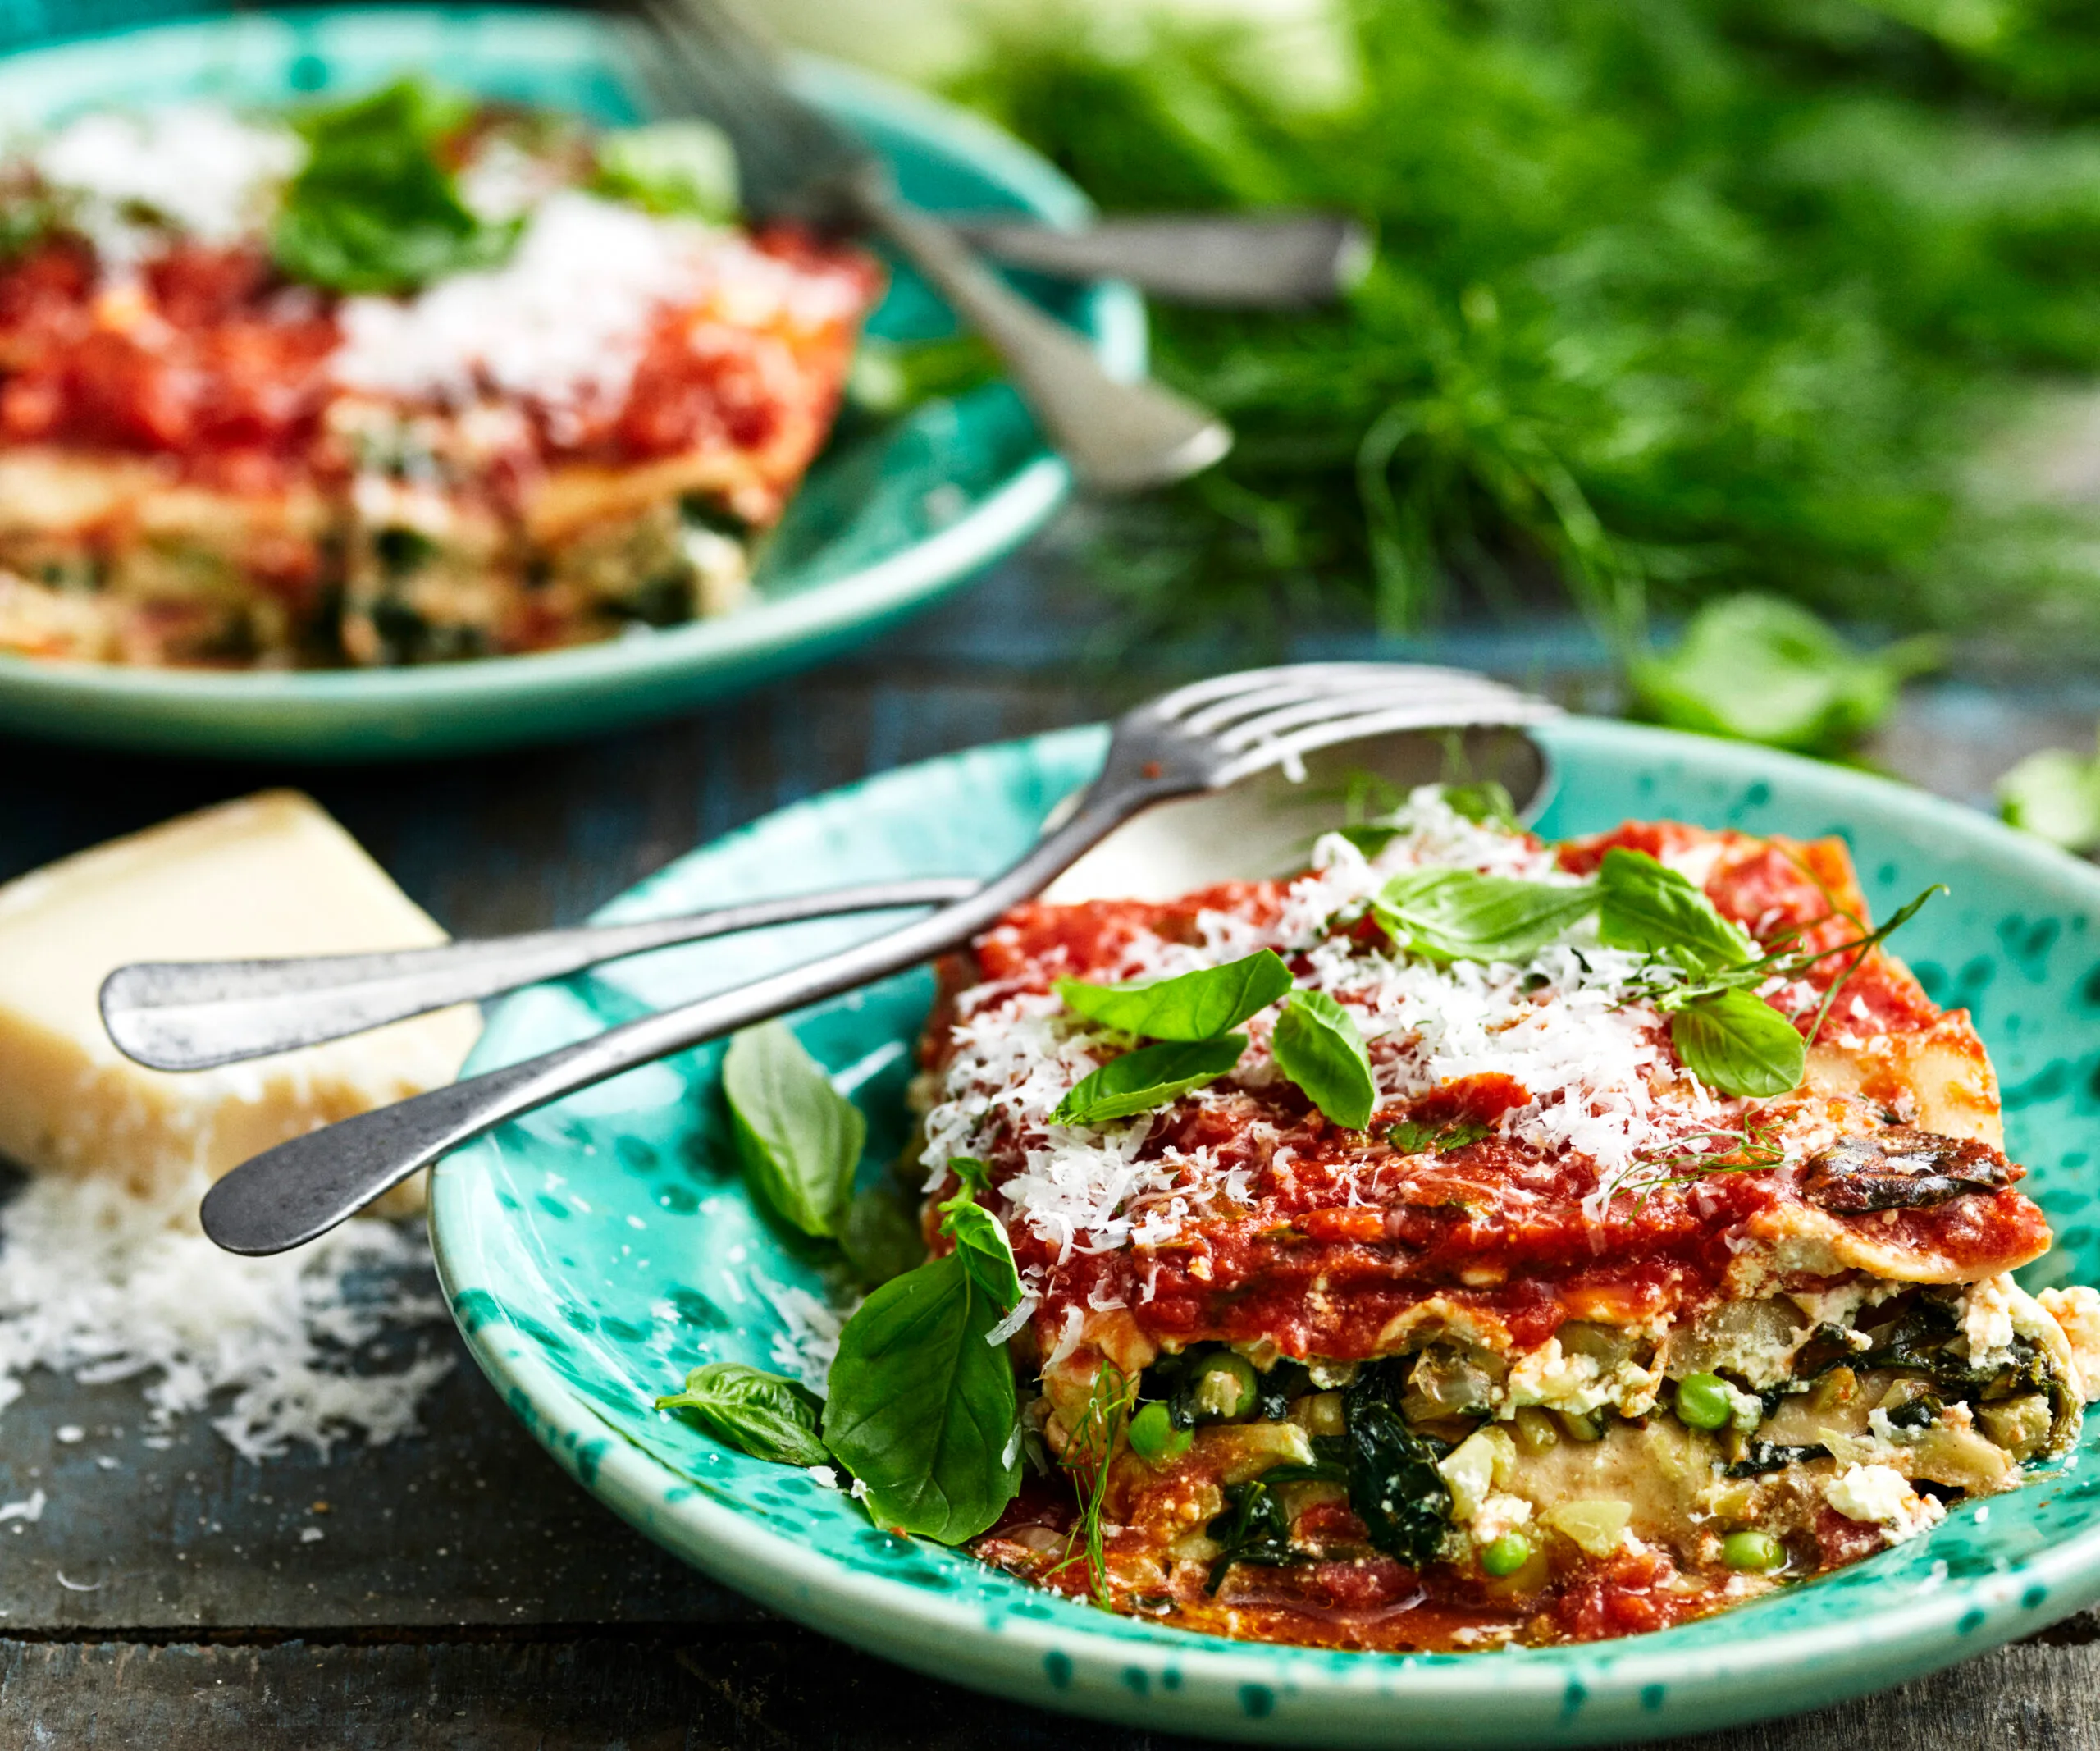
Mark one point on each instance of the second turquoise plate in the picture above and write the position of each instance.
(884, 524)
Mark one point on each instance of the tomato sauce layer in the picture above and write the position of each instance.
(209, 358)
(1342, 1232)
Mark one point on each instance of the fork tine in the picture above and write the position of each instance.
(1453, 704)
(1279, 750)
(1237, 721)
(1184, 700)
(730, 77)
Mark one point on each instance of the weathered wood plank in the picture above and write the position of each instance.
(780, 1689)
(469, 1523)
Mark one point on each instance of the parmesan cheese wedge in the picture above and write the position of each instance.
(271, 874)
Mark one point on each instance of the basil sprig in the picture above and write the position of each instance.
(922, 1408)
(1645, 906)
(1199, 1005)
(1737, 1043)
(1460, 915)
(1316, 1044)
(800, 1139)
(1728, 1036)
(1150, 1077)
(766, 1415)
(981, 1243)
(374, 209)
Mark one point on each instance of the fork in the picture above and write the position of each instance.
(1201, 738)
(792, 162)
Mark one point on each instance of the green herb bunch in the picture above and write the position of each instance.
(1670, 300)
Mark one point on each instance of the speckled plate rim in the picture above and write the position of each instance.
(389, 710)
(1075, 1660)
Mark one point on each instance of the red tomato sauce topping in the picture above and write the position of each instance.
(1346, 1232)
(210, 359)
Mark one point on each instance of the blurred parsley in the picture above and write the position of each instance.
(374, 209)
(1672, 300)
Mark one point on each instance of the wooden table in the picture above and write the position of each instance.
(464, 1593)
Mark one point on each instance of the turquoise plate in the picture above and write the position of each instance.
(886, 522)
(598, 1249)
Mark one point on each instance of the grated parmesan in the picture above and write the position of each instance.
(565, 320)
(198, 168)
(103, 1285)
(1570, 1025)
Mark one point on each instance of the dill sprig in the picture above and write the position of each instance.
(1087, 1456)
(1784, 961)
(1670, 301)
(1748, 1148)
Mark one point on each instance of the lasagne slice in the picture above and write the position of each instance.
(1565, 1341)
(220, 446)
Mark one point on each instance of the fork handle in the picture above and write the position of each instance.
(1247, 261)
(1118, 437)
(195, 1015)
(301, 1189)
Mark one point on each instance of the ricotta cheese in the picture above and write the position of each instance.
(269, 875)
(2077, 1311)
(1881, 1495)
(1987, 1321)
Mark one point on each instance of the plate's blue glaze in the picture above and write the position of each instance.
(596, 1250)
(887, 521)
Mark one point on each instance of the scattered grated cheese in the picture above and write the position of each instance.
(29, 1509)
(565, 320)
(1567, 1025)
(101, 1284)
(808, 1337)
(199, 167)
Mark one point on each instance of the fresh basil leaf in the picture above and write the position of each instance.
(922, 1408)
(1763, 669)
(2055, 793)
(1316, 1044)
(1370, 839)
(683, 167)
(1200, 1005)
(880, 1238)
(799, 1137)
(981, 1243)
(766, 1415)
(1460, 915)
(1149, 1077)
(1643, 905)
(374, 209)
(1486, 804)
(1411, 1138)
(1737, 1044)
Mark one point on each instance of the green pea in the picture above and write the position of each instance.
(1153, 1436)
(1752, 1550)
(1703, 1401)
(1226, 1387)
(1507, 1554)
